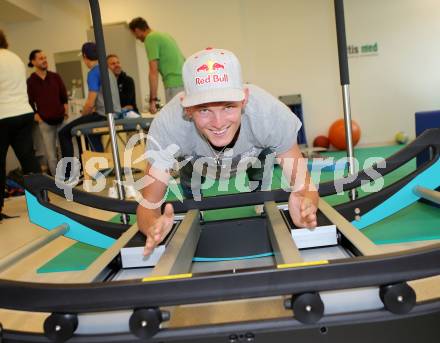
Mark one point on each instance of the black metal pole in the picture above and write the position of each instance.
(102, 57)
(342, 42)
(345, 81)
(106, 91)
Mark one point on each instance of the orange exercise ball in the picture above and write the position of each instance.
(336, 134)
(321, 142)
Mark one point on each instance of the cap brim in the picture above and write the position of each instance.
(215, 95)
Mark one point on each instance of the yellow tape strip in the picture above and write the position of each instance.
(167, 277)
(301, 264)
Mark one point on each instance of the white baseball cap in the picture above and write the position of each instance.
(212, 75)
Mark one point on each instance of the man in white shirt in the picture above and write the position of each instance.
(16, 116)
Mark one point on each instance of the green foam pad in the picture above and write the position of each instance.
(77, 257)
(417, 222)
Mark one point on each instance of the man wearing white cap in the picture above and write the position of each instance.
(219, 127)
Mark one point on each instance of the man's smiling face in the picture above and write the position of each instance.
(217, 121)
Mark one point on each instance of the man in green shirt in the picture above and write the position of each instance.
(165, 58)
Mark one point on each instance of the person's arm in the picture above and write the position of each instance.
(37, 118)
(94, 85)
(32, 101)
(154, 225)
(303, 200)
(89, 105)
(63, 95)
(153, 79)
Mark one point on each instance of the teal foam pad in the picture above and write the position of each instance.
(219, 259)
(49, 220)
(403, 198)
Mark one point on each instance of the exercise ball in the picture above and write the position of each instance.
(321, 142)
(401, 137)
(336, 134)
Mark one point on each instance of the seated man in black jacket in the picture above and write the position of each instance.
(127, 93)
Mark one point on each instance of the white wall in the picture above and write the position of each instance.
(405, 76)
(289, 46)
(62, 28)
(33, 7)
(12, 11)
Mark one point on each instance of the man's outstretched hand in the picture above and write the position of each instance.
(302, 211)
(160, 228)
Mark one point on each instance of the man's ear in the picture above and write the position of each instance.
(246, 96)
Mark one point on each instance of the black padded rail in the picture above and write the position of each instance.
(37, 184)
(121, 125)
(41, 186)
(366, 203)
(110, 229)
(356, 272)
(430, 139)
(370, 201)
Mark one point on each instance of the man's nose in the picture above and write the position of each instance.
(217, 120)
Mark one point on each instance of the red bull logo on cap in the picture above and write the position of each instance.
(212, 79)
(203, 67)
(217, 66)
(211, 67)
